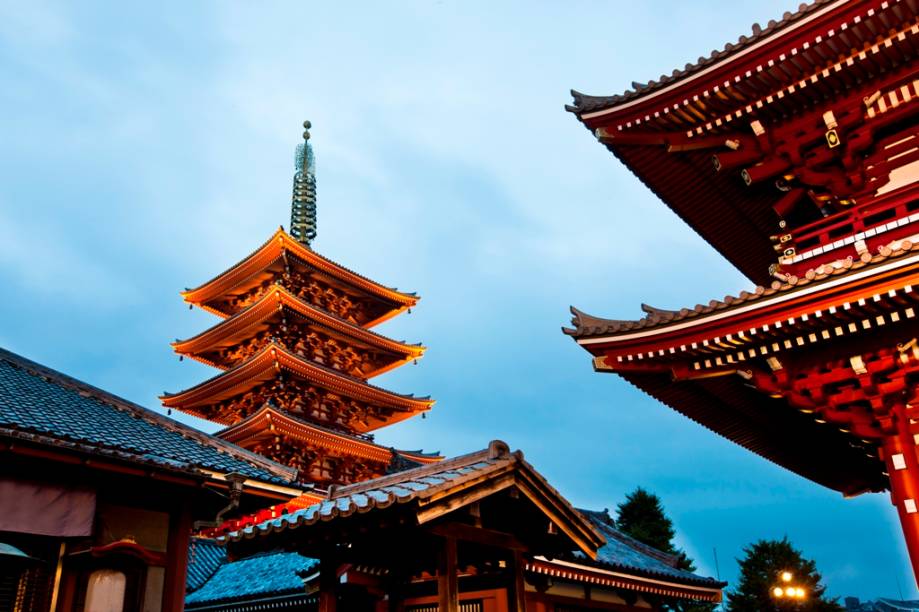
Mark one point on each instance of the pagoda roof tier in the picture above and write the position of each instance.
(271, 421)
(274, 359)
(254, 269)
(245, 324)
(713, 363)
(762, 109)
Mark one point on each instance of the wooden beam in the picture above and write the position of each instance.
(478, 535)
(328, 582)
(447, 579)
(448, 504)
(395, 594)
(516, 590)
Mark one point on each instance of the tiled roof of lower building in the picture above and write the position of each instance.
(204, 559)
(46, 406)
(263, 575)
(423, 485)
(625, 553)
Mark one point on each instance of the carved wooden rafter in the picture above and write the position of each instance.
(312, 344)
(315, 464)
(302, 400)
(859, 393)
(310, 289)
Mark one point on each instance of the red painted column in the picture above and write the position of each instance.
(180, 526)
(903, 467)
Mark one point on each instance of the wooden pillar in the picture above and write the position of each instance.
(447, 579)
(395, 592)
(903, 468)
(516, 590)
(177, 559)
(328, 582)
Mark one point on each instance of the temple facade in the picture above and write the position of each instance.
(795, 153)
(296, 351)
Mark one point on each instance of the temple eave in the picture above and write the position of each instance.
(273, 248)
(270, 362)
(733, 320)
(239, 326)
(270, 421)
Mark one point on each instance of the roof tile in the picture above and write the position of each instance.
(587, 325)
(48, 406)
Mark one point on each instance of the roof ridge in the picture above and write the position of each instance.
(587, 325)
(146, 414)
(587, 103)
(497, 450)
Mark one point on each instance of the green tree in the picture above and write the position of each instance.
(761, 571)
(642, 516)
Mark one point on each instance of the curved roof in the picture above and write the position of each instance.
(347, 444)
(775, 28)
(778, 83)
(266, 364)
(40, 403)
(588, 326)
(279, 243)
(227, 330)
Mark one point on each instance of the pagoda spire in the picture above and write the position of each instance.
(296, 354)
(303, 201)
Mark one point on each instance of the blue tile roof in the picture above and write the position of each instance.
(46, 406)
(204, 558)
(626, 553)
(261, 575)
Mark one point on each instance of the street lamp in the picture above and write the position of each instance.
(788, 592)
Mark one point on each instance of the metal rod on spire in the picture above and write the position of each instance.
(303, 201)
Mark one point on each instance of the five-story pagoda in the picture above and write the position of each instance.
(296, 351)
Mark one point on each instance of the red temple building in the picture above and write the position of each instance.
(795, 153)
(296, 350)
(373, 528)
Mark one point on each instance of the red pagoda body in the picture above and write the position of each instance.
(795, 153)
(296, 351)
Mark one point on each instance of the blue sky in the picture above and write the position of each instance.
(148, 148)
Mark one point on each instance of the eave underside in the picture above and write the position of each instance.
(848, 53)
(709, 204)
(769, 428)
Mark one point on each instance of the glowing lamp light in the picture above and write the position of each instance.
(799, 593)
(786, 576)
(778, 592)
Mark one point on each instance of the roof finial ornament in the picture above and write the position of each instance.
(303, 202)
